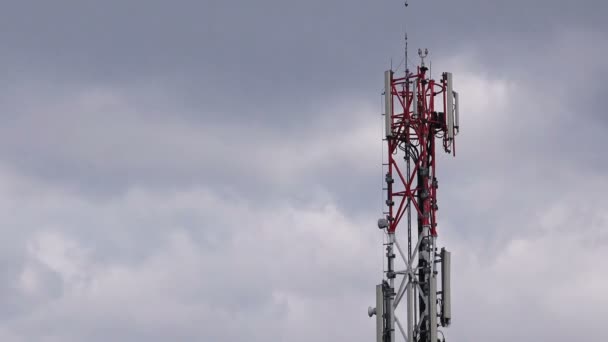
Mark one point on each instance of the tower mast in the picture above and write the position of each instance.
(419, 111)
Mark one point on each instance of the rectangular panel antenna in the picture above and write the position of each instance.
(456, 116)
(379, 313)
(446, 304)
(449, 106)
(432, 309)
(415, 99)
(388, 102)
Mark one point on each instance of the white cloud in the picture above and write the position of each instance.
(256, 279)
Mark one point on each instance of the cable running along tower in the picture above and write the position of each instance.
(421, 117)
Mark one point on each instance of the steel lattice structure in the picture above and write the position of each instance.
(419, 112)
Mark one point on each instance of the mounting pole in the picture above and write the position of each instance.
(390, 274)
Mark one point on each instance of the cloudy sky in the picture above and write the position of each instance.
(211, 170)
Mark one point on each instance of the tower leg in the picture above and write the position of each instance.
(390, 255)
(410, 309)
(432, 295)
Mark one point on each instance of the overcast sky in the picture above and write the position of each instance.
(211, 170)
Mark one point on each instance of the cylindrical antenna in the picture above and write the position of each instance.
(407, 69)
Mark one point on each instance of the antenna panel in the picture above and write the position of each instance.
(456, 116)
(449, 106)
(388, 102)
(446, 298)
(415, 99)
(379, 313)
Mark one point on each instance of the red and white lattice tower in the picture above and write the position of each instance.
(421, 117)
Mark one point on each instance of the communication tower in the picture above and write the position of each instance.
(421, 116)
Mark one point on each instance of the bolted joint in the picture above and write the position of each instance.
(435, 183)
(391, 275)
(389, 179)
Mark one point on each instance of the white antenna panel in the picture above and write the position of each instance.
(388, 102)
(450, 105)
(379, 313)
(446, 300)
(415, 99)
(456, 116)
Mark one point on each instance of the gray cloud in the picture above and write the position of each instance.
(211, 171)
(268, 53)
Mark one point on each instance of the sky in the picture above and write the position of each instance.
(211, 170)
